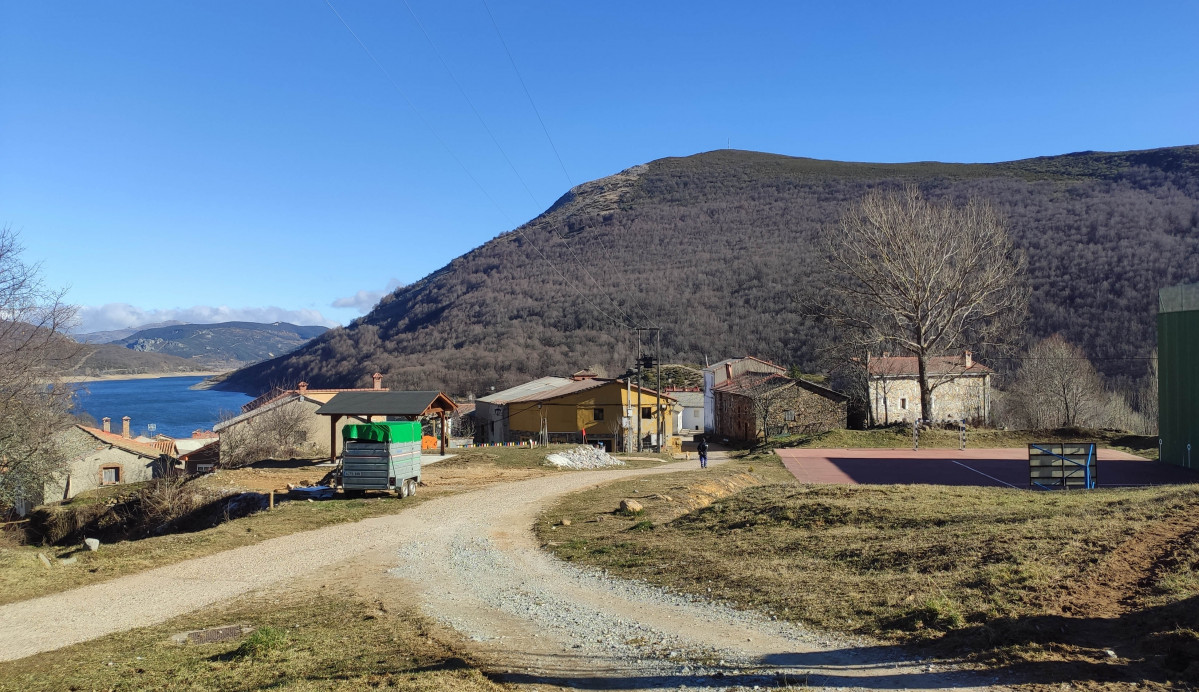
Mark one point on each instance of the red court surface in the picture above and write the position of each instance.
(993, 467)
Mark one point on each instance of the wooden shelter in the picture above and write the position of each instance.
(366, 404)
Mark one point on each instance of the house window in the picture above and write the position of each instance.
(903, 403)
(110, 475)
(789, 416)
(597, 414)
(647, 412)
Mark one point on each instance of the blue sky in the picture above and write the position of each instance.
(228, 160)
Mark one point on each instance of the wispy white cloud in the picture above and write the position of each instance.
(95, 318)
(363, 301)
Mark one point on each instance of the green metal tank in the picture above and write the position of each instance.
(1178, 374)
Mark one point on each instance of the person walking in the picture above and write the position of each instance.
(703, 453)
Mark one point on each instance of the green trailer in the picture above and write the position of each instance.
(381, 456)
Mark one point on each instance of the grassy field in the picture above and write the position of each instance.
(296, 641)
(23, 575)
(1041, 584)
(901, 436)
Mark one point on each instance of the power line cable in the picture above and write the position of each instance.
(529, 95)
(395, 85)
(494, 140)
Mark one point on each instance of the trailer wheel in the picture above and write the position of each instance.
(411, 487)
(402, 489)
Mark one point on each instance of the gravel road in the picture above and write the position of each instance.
(471, 562)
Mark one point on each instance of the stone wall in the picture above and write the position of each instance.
(897, 400)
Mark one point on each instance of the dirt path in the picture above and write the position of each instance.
(471, 562)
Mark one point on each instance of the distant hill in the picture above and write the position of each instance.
(111, 360)
(107, 337)
(221, 345)
(718, 248)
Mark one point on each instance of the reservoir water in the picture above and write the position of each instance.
(166, 402)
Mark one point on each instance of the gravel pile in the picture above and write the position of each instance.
(583, 457)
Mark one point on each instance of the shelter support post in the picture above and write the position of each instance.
(333, 438)
(441, 414)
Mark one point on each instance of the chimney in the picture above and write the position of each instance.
(728, 371)
(303, 387)
(378, 380)
(106, 424)
(969, 360)
(125, 427)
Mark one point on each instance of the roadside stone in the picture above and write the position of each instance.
(45, 560)
(92, 544)
(68, 561)
(630, 506)
(566, 522)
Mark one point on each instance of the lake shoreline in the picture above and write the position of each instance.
(143, 376)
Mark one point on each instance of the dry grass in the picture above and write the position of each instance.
(23, 575)
(337, 640)
(1014, 578)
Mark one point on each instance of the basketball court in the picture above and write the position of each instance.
(1007, 467)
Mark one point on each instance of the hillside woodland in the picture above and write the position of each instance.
(722, 249)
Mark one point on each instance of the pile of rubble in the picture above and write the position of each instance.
(583, 457)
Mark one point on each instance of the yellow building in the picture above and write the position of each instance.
(592, 409)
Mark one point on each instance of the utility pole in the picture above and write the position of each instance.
(638, 390)
(661, 410)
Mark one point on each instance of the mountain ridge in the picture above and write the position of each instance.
(718, 248)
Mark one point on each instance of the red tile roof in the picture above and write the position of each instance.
(151, 451)
(907, 366)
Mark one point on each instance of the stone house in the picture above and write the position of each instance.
(100, 457)
(961, 388)
(756, 405)
(718, 373)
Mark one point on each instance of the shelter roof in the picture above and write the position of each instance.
(387, 403)
(940, 366)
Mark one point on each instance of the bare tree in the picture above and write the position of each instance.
(1147, 401)
(34, 354)
(279, 431)
(924, 277)
(1058, 387)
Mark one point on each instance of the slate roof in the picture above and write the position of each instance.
(576, 386)
(689, 399)
(540, 384)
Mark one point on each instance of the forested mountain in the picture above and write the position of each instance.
(718, 249)
(224, 344)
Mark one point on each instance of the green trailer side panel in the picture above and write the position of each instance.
(390, 431)
(1178, 375)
